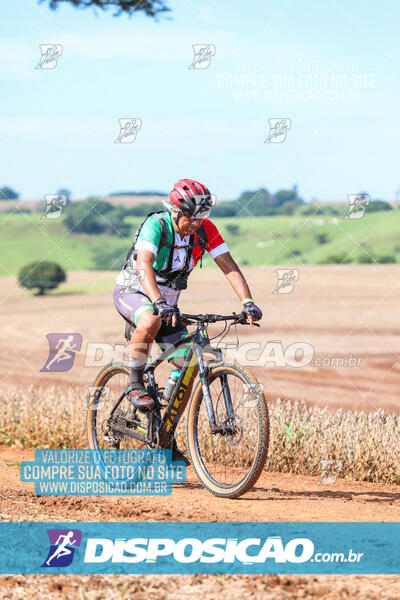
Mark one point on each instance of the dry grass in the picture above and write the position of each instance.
(43, 417)
(367, 444)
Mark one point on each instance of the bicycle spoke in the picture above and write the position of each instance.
(227, 456)
(111, 389)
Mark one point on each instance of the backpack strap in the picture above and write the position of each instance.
(201, 234)
(202, 242)
(132, 251)
(166, 272)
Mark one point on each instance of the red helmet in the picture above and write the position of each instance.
(190, 198)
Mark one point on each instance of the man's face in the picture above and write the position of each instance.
(187, 225)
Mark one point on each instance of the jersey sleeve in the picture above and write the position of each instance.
(215, 243)
(150, 235)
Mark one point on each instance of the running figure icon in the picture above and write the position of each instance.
(62, 347)
(62, 546)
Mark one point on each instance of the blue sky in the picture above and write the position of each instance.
(59, 125)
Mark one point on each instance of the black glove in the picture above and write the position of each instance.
(250, 309)
(164, 310)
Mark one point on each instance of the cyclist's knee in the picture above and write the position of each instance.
(148, 323)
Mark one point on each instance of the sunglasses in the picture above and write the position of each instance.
(193, 219)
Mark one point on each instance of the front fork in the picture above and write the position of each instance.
(203, 374)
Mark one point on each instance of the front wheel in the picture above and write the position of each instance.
(229, 462)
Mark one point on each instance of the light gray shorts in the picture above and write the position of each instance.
(131, 305)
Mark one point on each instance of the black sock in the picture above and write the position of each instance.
(136, 371)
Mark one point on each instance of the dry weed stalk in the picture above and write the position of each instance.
(367, 444)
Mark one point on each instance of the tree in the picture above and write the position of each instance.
(260, 197)
(232, 228)
(226, 209)
(6, 193)
(41, 275)
(95, 216)
(377, 205)
(144, 193)
(289, 207)
(322, 238)
(65, 192)
(151, 8)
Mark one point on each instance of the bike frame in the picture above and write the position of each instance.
(178, 401)
(200, 343)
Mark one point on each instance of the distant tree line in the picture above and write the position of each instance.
(94, 216)
(260, 202)
(147, 193)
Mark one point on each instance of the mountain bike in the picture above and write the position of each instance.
(227, 421)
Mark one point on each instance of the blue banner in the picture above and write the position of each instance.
(330, 548)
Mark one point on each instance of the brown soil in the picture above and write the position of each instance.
(276, 497)
(338, 309)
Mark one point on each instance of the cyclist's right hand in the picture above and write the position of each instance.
(164, 310)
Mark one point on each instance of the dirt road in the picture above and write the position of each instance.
(276, 497)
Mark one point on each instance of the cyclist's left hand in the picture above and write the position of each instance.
(251, 312)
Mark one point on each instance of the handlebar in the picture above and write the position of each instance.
(212, 318)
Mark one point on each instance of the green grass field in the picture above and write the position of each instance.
(280, 240)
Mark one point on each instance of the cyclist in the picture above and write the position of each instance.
(168, 247)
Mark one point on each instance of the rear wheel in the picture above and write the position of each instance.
(228, 463)
(101, 429)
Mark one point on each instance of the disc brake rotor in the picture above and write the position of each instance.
(233, 430)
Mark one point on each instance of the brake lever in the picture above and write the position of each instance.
(246, 323)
